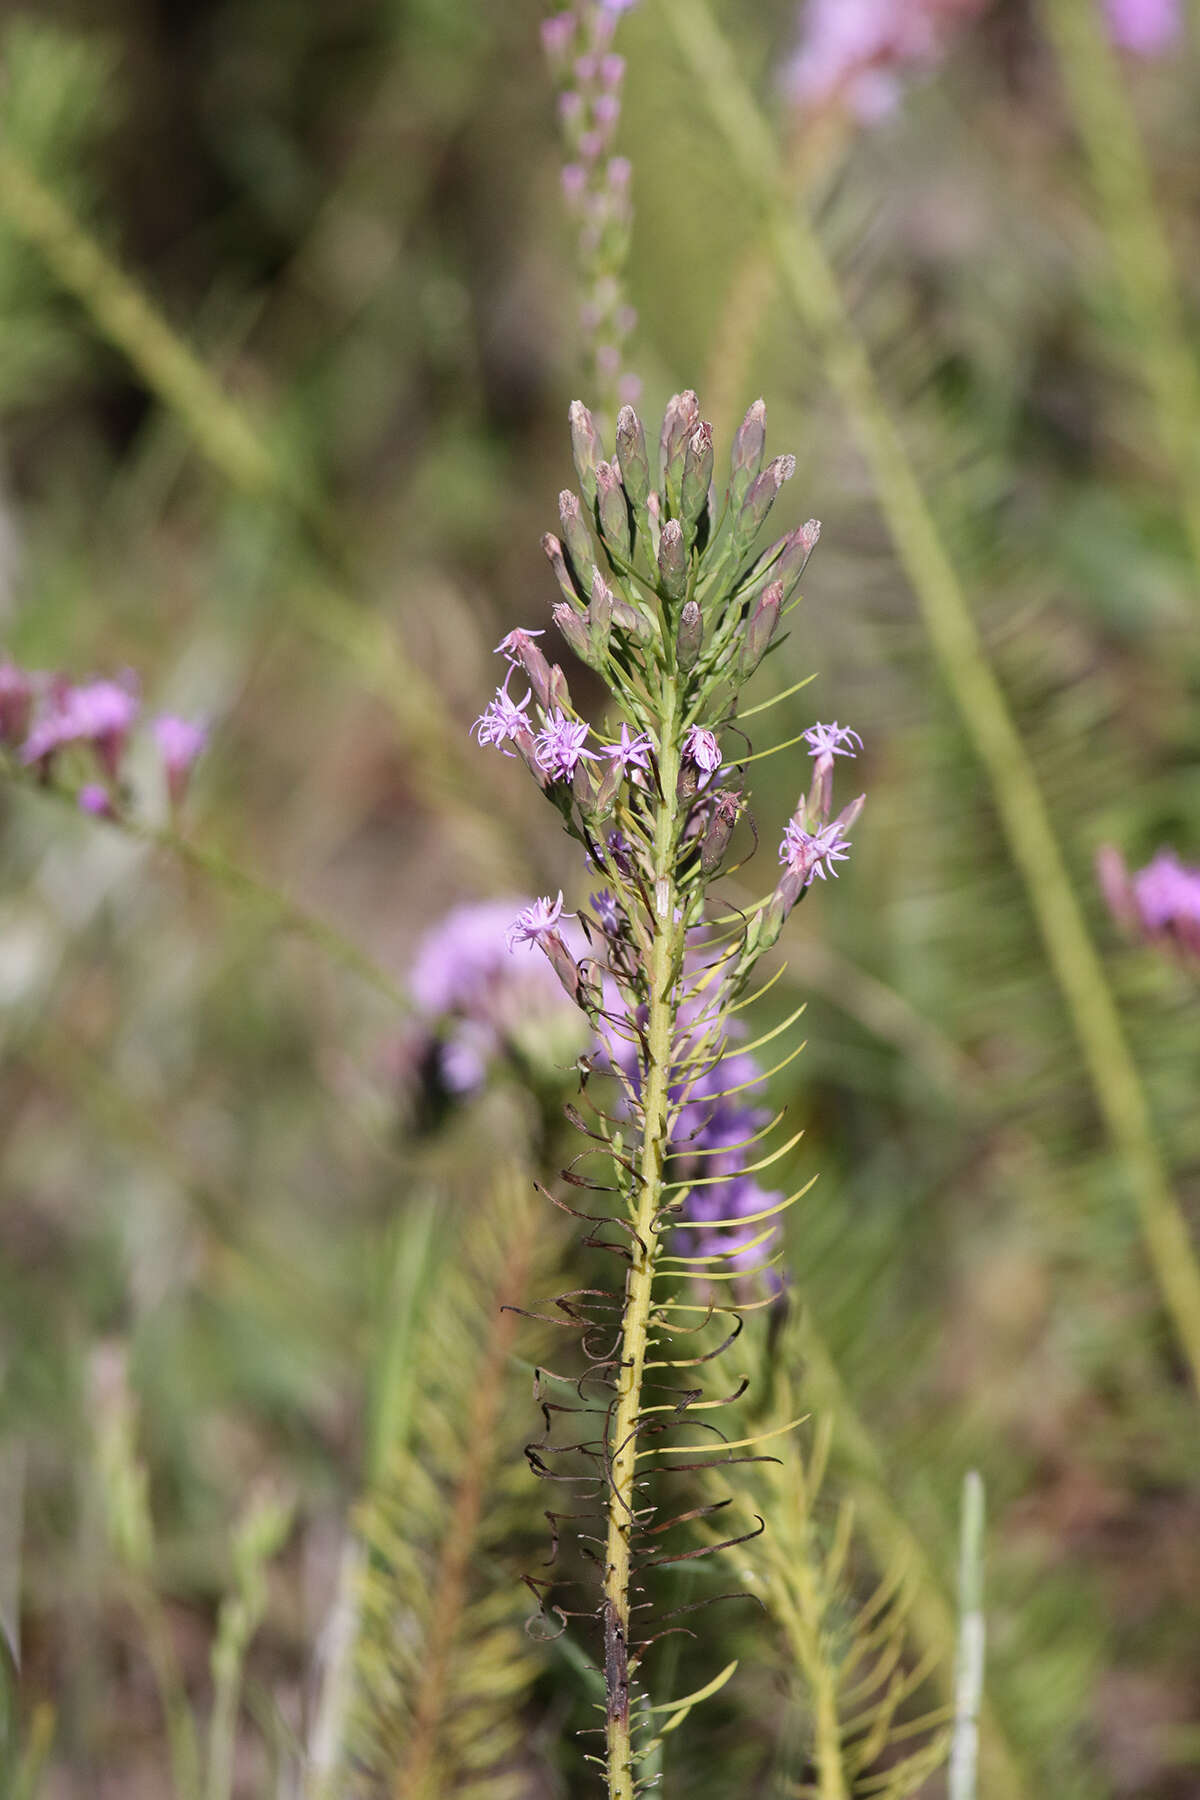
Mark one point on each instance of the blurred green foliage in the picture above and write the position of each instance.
(283, 437)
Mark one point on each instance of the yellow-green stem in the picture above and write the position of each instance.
(663, 964)
(813, 289)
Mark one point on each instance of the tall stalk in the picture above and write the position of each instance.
(665, 598)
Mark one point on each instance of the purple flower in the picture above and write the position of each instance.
(514, 643)
(99, 713)
(1145, 27)
(96, 801)
(560, 745)
(1161, 902)
(631, 752)
(809, 853)
(831, 740)
(535, 921)
(711, 1142)
(607, 910)
(181, 742)
(503, 718)
(702, 748)
(480, 999)
(853, 52)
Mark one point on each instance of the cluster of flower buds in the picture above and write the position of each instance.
(596, 184)
(655, 574)
(1160, 903)
(45, 718)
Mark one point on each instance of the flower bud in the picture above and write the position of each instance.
(726, 806)
(679, 421)
(631, 454)
(521, 649)
(608, 789)
(560, 693)
(760, 628)
(583, 787)
(672, 560)
(599, 620)
(614, 509)
(761, 494)
(574, 629)
(690, 636)
(577, 540)
(697, 474)
(747, 455)
(586, 447)
(798, 546)
(554, 551)
(629, 618)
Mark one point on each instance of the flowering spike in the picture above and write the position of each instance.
(648, 808)
(614, 510)
(631, 454)
(672, 560)
(587, 448)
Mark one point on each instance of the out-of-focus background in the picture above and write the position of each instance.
(288, 330)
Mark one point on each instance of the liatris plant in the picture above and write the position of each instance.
(664, 598)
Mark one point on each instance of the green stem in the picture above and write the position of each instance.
(813, 290)
(1097, 91)
(663, 966)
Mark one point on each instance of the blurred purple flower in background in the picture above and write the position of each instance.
(712, 1144)
(854, 53)
(1146, 27)
(1161, 903)
(99, 713)
(181, 742)
(482, 998)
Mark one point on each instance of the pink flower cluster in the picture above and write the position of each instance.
(44, 716)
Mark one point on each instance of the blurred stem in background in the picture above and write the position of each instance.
(813, 290)
(1156, 339)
